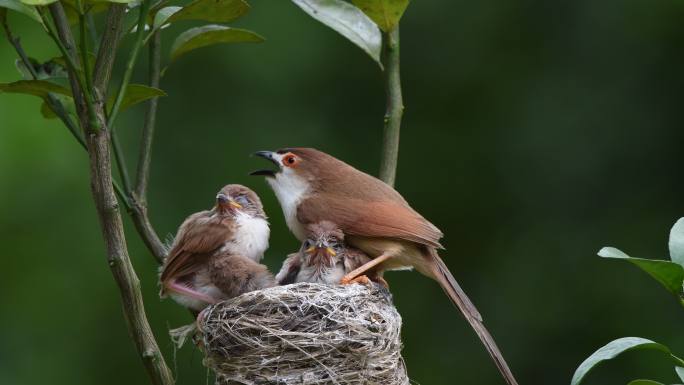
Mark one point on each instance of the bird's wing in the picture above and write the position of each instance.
(235, 275)
(291, 267)
(200, 235)
(353, 259)
(383, 219)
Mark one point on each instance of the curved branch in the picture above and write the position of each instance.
(139, 213)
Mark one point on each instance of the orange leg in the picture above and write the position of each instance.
(363, 268)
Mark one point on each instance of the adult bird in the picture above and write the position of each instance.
(215, 254)
(323, 258)
(313, 186)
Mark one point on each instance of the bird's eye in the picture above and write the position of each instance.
(241, 199)
(289, 160)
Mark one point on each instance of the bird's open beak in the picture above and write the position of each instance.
(266, 172)
(225, 201)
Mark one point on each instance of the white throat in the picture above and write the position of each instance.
(290, 189)
(250, 238)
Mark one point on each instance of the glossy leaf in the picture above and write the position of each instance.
(676, 243)
(137, 93)
(38, 2)
(385, 13)
(38, 88)
(18, 6)
(348, 21)
(208, 35)
(644, 382)
(612, 350)
(669, 274)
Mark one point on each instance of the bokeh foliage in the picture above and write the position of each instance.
(534, 134)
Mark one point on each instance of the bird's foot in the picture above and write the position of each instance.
(361, 279)
(381, 281)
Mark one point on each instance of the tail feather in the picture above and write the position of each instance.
(472, 315)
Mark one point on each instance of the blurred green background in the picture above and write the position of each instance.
(535, 132)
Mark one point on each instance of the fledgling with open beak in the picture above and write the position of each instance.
(313, 186)
(216, 253)
(323, 258)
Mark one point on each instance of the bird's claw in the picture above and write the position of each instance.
(361, 279)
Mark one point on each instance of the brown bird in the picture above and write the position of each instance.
(312, 186)
(323, 258)
(216, 252)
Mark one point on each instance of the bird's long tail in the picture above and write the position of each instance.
(463, 303)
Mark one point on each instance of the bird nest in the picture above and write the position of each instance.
(305, 334)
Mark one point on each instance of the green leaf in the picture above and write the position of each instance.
(348, 21)
(644, 382)
(680, 372)
(385, 13)
(137, 93)
(162, 16)
(38, 88)
(612, 350)
(669, 274)
(208, 35)
(38, 2)
(676, 243)
(67, 103)
(20, 7)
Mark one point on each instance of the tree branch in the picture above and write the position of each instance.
(395, 106)
(101, 183)
(139, 212)
(107, 51)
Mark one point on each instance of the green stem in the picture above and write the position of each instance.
(395, 106)
(144, 10)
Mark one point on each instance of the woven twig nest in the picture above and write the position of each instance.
(305, 334)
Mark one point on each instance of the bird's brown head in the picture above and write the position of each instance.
(234, 199)
(324, 241)
(305, 162)
(298, 170)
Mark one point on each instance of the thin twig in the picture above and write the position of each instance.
(139, 214)
(65, 41)
(112, 228)
(121, 93)
(142, 18)
(395, 106)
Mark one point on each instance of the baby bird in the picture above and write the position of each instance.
(216, 253)
(323, 258)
